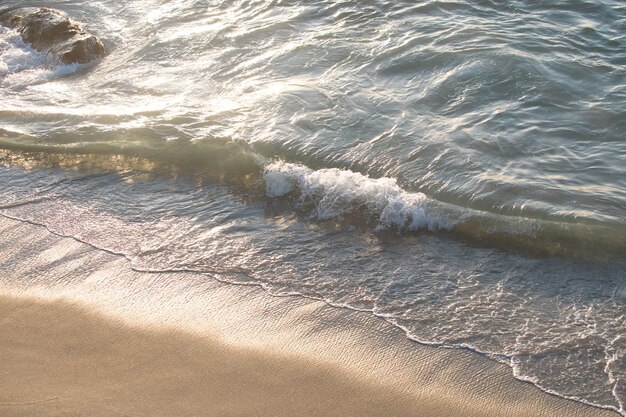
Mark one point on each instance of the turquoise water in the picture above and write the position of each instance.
(458, 168)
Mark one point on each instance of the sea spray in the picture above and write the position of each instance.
(336, 193)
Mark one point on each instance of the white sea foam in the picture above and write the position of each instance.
(16, 55)
(337, 192)
(21, 65)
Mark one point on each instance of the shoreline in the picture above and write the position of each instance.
(326, 349)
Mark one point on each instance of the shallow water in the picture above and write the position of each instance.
(457, 168)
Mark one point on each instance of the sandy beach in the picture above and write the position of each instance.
(312, 208)
(92, 337)
(59, 359)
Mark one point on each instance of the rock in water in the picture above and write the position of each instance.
(49, 30)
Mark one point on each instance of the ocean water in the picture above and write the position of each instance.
(457, 168)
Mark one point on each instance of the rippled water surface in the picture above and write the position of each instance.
(458, 168)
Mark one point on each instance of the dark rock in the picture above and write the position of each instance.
(49, 30)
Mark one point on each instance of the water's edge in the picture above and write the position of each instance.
(267, 290)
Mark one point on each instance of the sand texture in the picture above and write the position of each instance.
(83, 334)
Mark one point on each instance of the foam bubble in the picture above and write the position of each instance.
(21, 65)
(16, 55)
(337, 193)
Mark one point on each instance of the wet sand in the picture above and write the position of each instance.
(59, 359)
(85, 335)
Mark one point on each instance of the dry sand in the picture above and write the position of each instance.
(82, 334)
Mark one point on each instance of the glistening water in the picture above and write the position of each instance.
(458, 168)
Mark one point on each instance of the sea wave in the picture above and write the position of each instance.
(325, 194)
(336, 193)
